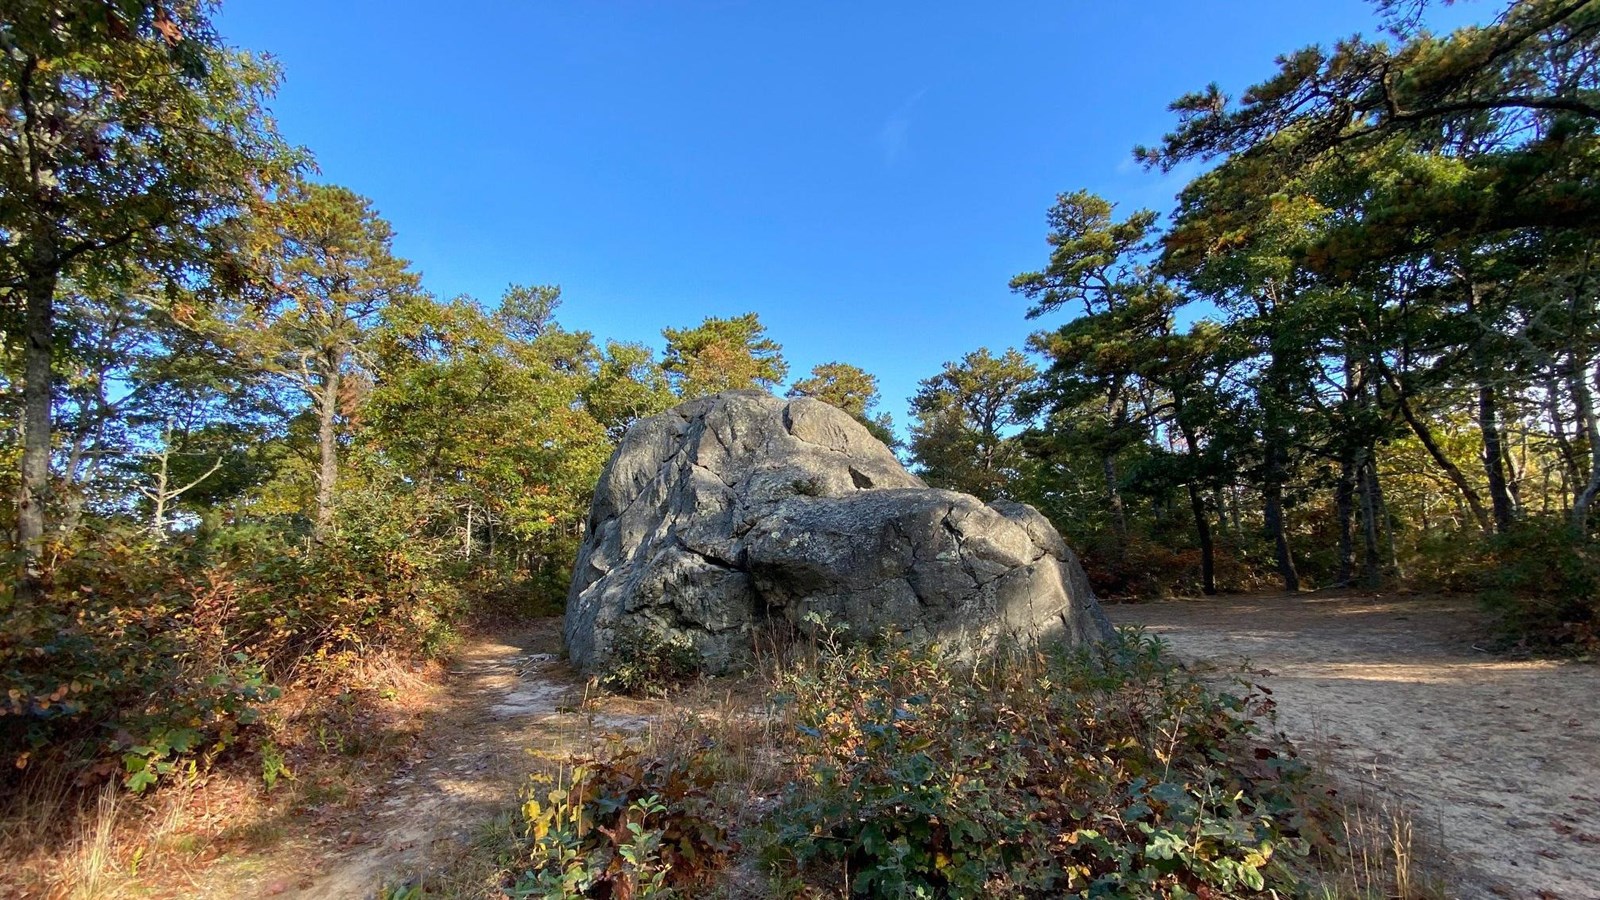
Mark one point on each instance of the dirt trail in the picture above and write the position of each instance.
(1501, 757)
(512, 699)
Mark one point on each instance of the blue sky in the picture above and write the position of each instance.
(865, 175)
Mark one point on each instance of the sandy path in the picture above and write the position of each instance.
(513, 705)
(1502, 756)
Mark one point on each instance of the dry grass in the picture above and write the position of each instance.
(1381, 843)
(1385, 856)
(735, 714)
(60, 840)
(93, 865)
(340, 738)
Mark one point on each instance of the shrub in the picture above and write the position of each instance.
(1099, 773)
(644, 661)
(897, 772)
(143, 654)
(379, 582)
(1542, 581)
(1135, 568)
(501, 596)
(125, 663)
(625, 825)
(1143, 569)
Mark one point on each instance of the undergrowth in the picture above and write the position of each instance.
(230, 664)
(136, 661)
(893, 771)
(1541, 582)
(645, 662)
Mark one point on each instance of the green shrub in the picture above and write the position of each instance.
(896, 772)
(501, 596)
(625, 825)
(644, 661)
(1542, 582)
(1100, 773)
(379, 582)
(1448, 559)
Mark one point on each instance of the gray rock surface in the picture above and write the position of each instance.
(731, 514)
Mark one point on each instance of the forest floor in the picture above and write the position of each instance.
(1494, 757)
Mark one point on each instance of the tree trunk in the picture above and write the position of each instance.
(158, 511)
(327, 442)
(1371, 562)
(1451, 471)
(38, 350)
(1380, 508)
(1273, 489)
(1280, 539)
(1202, 532)
(1572, 466)
(1494, 456)
(1197, 506)
(69, 504)
(1344, 504)
(1119, 516)
(1583, 399)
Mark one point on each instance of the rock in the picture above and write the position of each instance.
(732, 514)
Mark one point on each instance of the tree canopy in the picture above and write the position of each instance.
(851, 389)
(722, 355)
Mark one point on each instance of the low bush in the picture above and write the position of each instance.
(141, 656)
(1139, 568)
(125, 663)
(1098, 773)
(1541, 581)
(1135, 568)
(379, 581)
(625, 825)
(898, 772)
(644, 661)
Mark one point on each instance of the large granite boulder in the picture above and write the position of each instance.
(731, 514)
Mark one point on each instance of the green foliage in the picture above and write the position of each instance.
(1106, 772)
(1542, 582)
(144, 657)
(962, 418)
(488, 416)
(625, 825)
(1481, 85)
(273, 765)
(722, 355)
(628, 385)
(137, 137)
(378, 583)
(323, 264)
(1102, 773)
(851, 389)
(644, 661)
